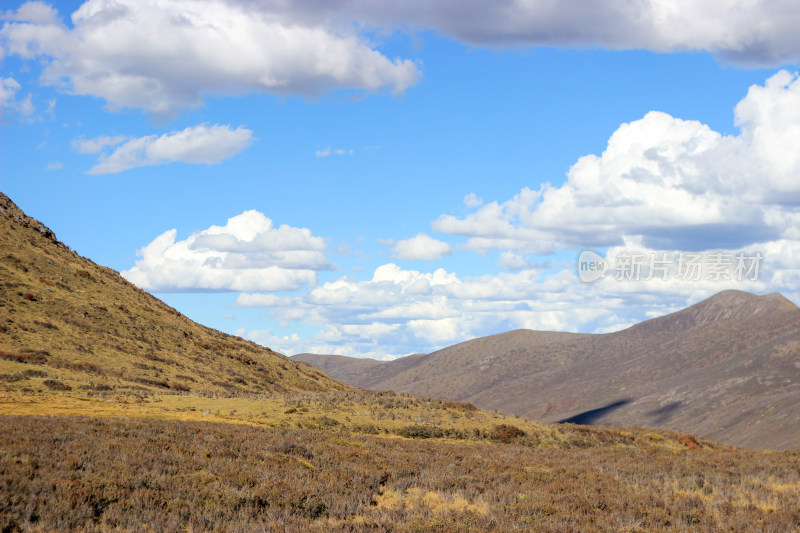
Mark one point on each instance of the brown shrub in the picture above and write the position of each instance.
(176, 385)
(689, 441)
(505, 433)
(55, 384)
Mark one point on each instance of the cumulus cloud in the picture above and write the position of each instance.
(421, 247)
(472, 200)
(399, 311)
(166, 55)
(247, 254)
(198, 144)
(673, 183)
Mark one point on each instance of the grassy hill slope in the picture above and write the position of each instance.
(83, 325)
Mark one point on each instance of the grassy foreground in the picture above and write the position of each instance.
(134, 474)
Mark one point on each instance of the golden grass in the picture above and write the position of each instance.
(414, 499)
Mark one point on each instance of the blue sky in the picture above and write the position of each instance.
(375, 179)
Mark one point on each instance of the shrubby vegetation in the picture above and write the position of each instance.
(98, 474)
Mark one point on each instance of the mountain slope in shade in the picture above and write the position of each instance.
(727, 368)
(80, 323)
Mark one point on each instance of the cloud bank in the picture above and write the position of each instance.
(665, 182)
(760, 32)
(166, 55)
(232, 47)
(247, 254)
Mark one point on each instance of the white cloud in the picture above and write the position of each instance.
(421, 247)
(325, 152)
(472, 200)
(400, 311)
(247, 254)
(55, 165)
(671, 183)
(198, 144)
(165, 55)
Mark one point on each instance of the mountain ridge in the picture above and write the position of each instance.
(716, 369)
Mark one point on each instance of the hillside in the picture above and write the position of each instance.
(425, 370)
(77, 339)
(85, 326)
(338, 363)
(727, 368)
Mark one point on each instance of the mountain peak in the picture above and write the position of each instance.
(734, 304)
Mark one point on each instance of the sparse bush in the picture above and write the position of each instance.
(54, 384)
(505, 433)
(35, 357)
(689, 441)
(176, 385)
(417, 431)
(366, 429)
(325, 422)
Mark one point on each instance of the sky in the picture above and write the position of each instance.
(380, 178)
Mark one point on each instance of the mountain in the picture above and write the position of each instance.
(83, 322)
(727, 368)
(340, 363)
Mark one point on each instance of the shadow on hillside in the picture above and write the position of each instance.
(663, 414)
(592, 415)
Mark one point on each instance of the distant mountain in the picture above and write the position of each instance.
(80, 322)
(727, 368)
